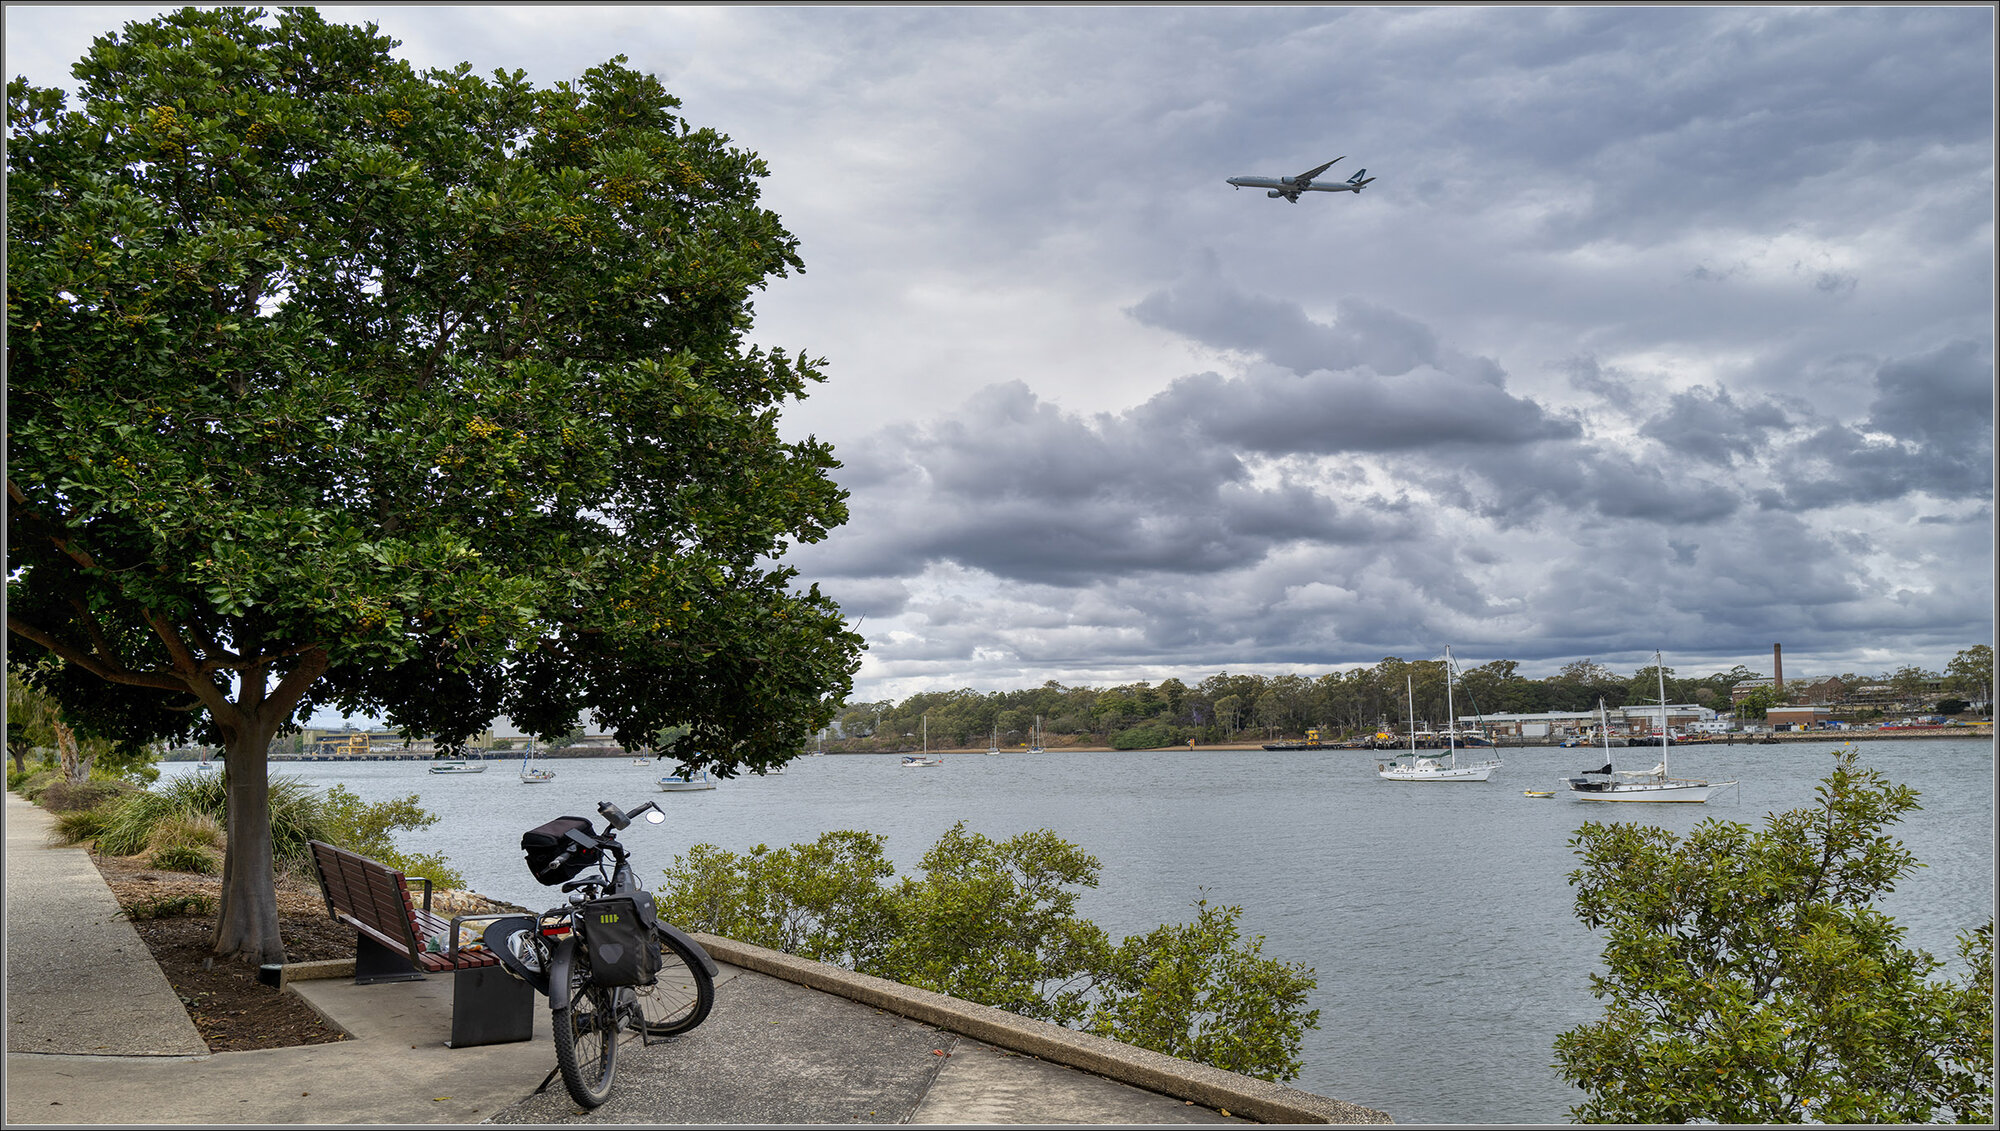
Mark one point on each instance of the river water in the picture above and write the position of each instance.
(1438, 916)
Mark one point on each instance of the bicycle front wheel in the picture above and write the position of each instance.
(680, 998)
(585, 1021)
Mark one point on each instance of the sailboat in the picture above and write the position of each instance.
(1430, 767)
(911, 761)
(1037, 747)
(531, 773)
(994, 746)
(1608, 784)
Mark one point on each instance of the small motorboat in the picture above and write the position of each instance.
(458, 766)
(1538, 793)
(687, 780)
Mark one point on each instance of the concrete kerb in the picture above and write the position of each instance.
(1211, 1087)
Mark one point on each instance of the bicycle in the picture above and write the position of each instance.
(590, 956)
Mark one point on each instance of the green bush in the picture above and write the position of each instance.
(1151, 736)
(79, 825)
(994, 922)
(64, 796)
(299, 814)
(36, 781)
(185, 858)
(191, 904)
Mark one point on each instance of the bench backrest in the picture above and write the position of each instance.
(371, 894)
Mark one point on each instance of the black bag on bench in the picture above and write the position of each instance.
(618, 942)
(546, 842)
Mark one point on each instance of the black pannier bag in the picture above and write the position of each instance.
(546, 842)
(618, 942)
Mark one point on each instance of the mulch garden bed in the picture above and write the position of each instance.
(174, 912)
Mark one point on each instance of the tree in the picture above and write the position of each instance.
(1757, 702)
(995, 922)
(1970, 674)
(1751, 979)
(414, 395)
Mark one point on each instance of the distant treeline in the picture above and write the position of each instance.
(1224, 707)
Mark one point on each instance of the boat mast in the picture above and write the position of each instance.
(1660, 669)
(1410, 687)
(1450, 711)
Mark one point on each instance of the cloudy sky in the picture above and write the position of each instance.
(1660, 328)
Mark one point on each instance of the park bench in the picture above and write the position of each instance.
(397, 941)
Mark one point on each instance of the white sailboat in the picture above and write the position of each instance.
(994, 746)
(1431, 767)
(532, 774)
(911, 761)
(1037, 747)
(1608, 784)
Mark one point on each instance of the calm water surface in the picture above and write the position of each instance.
(1437, 915)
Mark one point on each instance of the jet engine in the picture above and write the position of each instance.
(1274, 193)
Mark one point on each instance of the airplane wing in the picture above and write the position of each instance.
(1306, 178)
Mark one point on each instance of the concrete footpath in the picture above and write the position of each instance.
(95, 1035)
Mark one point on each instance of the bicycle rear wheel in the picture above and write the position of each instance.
(585, 1021)
(680, 998)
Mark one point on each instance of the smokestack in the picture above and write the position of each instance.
(1777, 668)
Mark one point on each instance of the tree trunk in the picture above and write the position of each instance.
(246, 925)
(75, 763)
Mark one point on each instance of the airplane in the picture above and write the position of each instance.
(1291, 187)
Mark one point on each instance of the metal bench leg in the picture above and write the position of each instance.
(489, 1007)
(374, 963)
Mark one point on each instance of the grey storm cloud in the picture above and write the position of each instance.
(1015, 487)
(1355, 411)
(1363, 335)
(1710, 426)
(1929, 430)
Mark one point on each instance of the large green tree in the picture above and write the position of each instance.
(337, 384)
(1751, 977)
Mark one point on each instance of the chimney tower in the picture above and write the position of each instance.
(1777, 668)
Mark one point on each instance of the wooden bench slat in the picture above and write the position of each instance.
(374, 898)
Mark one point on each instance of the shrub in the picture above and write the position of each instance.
(64, 797)
(1147, 737)
(186, 830)
(170, 906)
(80, 825)
(185, 858)
(994, 922)
(36, 781)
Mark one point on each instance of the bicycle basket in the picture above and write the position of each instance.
(546, 842)
(619, 944)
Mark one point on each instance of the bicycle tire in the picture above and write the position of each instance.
(680, 998)
(586, 1034)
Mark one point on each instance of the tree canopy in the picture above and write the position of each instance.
(1750, 975)
(422, 395)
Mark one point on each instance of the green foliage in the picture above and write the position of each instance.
(1193, 990)
(185, 858)
(1970, 674)
(1148, 737)
(170, 906)
(419, 394)
(299, 814)
(79, 825)
(1749, 978)
(1757, 703)
(824, 900)
(995, 922)
(65, 796)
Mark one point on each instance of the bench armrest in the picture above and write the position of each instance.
(424, 880)
(452, 950)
